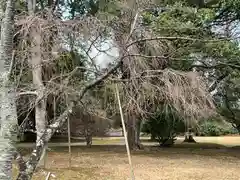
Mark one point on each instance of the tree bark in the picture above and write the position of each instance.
(133, 132)
(41, 102)
(8, 132)
(189, 138)
(37, 71)
(88, 128)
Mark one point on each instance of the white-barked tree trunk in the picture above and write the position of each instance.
(8, 113)
(36, 65)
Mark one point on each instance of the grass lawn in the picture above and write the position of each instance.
(212, 158)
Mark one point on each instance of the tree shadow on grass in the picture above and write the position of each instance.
(180, 149)
(204, 149)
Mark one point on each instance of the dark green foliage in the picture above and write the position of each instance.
(210, 129)
(228, 12)
(214, 128)
(164, 126)
(227, 99)
(72, 63)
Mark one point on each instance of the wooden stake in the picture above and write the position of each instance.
(46, 156)
(69, 144)
(125, 134)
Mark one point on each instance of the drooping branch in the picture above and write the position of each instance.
(37, 152)
(99, 80)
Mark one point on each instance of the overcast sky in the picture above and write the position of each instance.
(104, 58)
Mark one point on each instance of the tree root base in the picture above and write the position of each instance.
(189, 139)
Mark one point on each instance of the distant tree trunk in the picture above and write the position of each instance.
(153, 137)
(237, 127)
(133, 132)
(189, 137)
(8, 114)
(88, 138)
(138, 128)
(88, 130)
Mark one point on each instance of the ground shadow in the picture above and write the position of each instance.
(203, 149)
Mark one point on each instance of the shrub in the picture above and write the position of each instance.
(210, 129)
(164, 126)
(215, 128)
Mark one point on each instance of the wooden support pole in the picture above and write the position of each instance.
(125, 134)
(69, 143)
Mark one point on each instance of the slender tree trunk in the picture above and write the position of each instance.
(153, 137)
(40, 104)
(88, 130)
(133, 132)
(36, 64)
(189, 137)
(238, 128)
(138, 128)
(8, 132)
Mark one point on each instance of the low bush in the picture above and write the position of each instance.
(214, 128)
(164, 126)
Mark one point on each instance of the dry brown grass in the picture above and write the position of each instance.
(110, 163)
(208, 159)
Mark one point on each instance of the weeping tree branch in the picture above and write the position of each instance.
(101, 79)
(32, 162)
